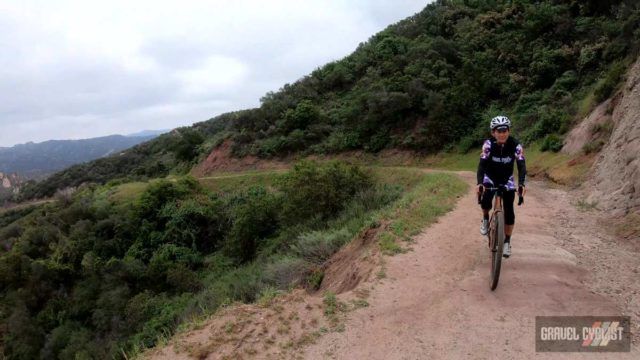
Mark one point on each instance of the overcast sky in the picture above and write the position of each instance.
(79, 69)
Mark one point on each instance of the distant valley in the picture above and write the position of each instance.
(37, 160)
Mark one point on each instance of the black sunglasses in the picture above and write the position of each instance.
(501, 131)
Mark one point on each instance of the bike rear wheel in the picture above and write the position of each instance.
(497, 232)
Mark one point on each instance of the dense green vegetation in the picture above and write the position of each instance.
(113, 268)
(434, 79)
(428, 83)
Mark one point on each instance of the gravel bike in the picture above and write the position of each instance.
(496, 231)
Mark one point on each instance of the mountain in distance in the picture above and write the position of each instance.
(145, 133)
(37, 160)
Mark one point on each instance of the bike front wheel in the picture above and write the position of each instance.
(497, 232)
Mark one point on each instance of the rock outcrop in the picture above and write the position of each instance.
(8, 181)
(583, 134)
(616, 174)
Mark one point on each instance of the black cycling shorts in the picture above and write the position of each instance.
(508, 198)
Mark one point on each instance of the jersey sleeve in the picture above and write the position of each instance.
(486, 150)
(522, 167)
(484, 157)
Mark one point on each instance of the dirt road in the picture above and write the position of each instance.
(436, 302)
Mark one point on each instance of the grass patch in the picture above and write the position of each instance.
(233, 182)
(127, 192)
(398, 227)
(560, 168)
(453, 161)
(332, 309)
(404, 177)
(359, 303)
(432, 197)
(421, 199)
(267, 295)
(330, 303)
(388, 244)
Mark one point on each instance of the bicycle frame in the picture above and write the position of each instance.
(496, 235)
(497, 207)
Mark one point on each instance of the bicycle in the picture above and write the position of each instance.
(496, 231)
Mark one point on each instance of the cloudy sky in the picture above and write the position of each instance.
(78, 69)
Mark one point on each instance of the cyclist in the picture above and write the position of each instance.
(496, 168)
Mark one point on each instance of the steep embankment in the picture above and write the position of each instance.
(616, 176)
(613, 182)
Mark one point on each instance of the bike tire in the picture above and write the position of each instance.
(498, 247)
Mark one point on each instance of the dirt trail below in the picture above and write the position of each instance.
(436, 302)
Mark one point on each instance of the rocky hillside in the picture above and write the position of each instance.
(616, 174)
(612, 130)
(9, 186)
(9, 183)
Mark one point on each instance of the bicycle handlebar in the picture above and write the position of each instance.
(503, 187)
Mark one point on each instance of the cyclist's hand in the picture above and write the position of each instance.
(521, 190)
(480, 189)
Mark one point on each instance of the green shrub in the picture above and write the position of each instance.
(550, 120)
(551, 142)
(254, 217)
(341, 140)
(186, 144)
(198, 224)
(243, 284)
(162, 192)
(608, 84)
(567, 81)
(286, 271)
(593, 146)
(320, 191)
(317, 246)
(314, 280)
(181, 279)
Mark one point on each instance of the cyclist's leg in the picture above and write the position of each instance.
(486, 201)
(509, 215)
(485, 204)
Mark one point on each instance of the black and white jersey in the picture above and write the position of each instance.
(496, 163)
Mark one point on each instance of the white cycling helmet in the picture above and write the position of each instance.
(500, 121)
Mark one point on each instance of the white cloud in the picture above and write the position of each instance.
(215, 75)
(72, 69)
